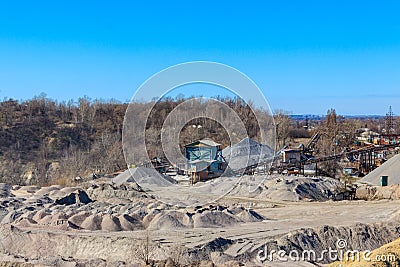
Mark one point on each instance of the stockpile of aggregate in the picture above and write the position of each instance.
(390, 168)
(143, 176)
(246, 153)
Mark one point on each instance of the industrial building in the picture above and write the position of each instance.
(204, 160)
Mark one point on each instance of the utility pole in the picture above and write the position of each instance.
(389, 122)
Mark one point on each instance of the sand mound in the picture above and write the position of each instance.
(25, 222)
(287, 188)
(107, 191)
(68, 190)
(106, 222)
(65, 226)
(53, 219)
(93, 222)
(110, 223)
(79, 218)
(31, 189)
(250, 216)
(129, 223)
(246, 153)
(60, 193)
(372, 192)
(144, 176)
(24, 191)
(316, 189)
(28, 214)
(217, 244)
(390, 168)
(211, 219)
(149, 217)
(46, 190)
(54, 194)
(40, 215)
(170, 220)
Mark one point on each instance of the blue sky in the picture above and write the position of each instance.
(306, 56)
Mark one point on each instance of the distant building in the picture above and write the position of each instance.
(350, 171)
(368, 136)
(204, 159)
(291, 155)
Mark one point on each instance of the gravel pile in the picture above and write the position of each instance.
(143, 176)
(203, 217)
(288, 188)
(246, 153)
(390, 168)
(73, 209)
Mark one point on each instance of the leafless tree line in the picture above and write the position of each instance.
(44, 141)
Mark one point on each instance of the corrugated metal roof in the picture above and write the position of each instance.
(206, 142)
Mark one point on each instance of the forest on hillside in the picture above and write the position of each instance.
(44, 141)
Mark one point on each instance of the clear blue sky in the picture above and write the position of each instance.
(306, 56)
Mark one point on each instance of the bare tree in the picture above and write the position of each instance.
(282, 122)
(177, 253)
(84, 105)
(145, 248)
